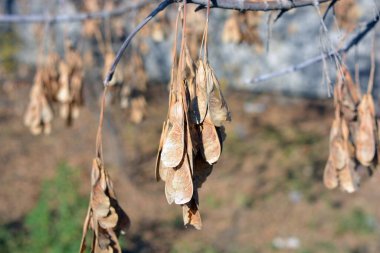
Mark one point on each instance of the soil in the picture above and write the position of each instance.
(266, 188)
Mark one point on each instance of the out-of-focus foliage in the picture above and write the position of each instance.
(9, 46)
(54, 224)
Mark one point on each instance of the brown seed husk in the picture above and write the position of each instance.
(174, 145)
(348, 179)
(365, 137)
(191, 214)
(179, 184)
(217, 106)
(200, 103)
(105, 217)
(330, 175)
(39, 114)
(211, 146)
(158, 158)
(338, 153)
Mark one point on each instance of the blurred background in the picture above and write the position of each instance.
(264, 195)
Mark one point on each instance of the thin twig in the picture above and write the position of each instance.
(162, 6)
(331, 5)
(249, 5)
(354, 41)
(255, 5)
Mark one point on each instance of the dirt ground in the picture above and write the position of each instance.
(264, 195)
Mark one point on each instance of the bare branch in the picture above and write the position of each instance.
(257, 5)
(248, 5)
(354, 41)
(29, 19)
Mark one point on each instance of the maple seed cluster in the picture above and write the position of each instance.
(354, 136)
(105, 217)
(59, 81)
(192, 135)
(128, 87)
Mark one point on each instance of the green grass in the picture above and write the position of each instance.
(356, 222)
(54, 225)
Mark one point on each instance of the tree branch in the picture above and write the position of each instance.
(354, 41)
(257, 5)
(248, 5)
(38, 18)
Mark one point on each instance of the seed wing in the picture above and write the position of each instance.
(330, 175)
(365, 136)
(191, 214)
(211, 147)
(200, 103)
(173, 148)
(174, 144)
(158, 158)
(338, 153)
(179, 184)
(217, 105)
(348, 179)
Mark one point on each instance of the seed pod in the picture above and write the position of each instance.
(348, 179)
(138, 109)
(190, 212)
(174, 144)
(211, 146)
(217, 106)
(104, 216)
(179, 184)
(338, 153)
(64, 95)
(200, 102)
(330, 175)
(46, 113)
(158, 158)
(365, 137)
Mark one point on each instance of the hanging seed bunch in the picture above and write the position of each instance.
(70, 93)
(243, 27)
(91, 26)
(132, 94)
(192, 135)
(129, 94)
(353, 136)
(39, 113)
(104, 217)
